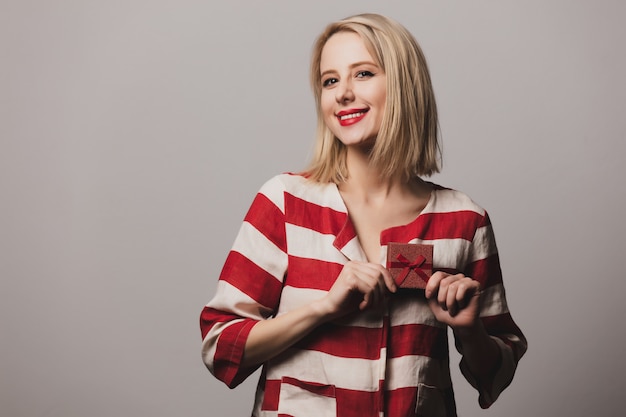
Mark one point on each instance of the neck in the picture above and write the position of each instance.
(365, 181)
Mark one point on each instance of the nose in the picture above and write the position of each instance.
(343, 92)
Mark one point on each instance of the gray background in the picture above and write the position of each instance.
(134, 135)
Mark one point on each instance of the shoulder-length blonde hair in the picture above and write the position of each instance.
(407, 144)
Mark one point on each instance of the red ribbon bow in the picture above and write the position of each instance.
(411, 266)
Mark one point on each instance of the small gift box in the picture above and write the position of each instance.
(410, 264)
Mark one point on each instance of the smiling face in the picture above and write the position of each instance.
(354, 90)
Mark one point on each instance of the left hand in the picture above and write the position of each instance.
(454, 299)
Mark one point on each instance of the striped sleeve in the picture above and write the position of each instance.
(484, 266)
(249, 286)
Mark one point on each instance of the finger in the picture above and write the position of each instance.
(369, 287)
(460, 295)
(466, 290)
(374, 281)
(442, 293)
(454, 299)
(432, 286)
(366, 302)
(362, 274)
(451, 298)
(379, 278)
(388, 279)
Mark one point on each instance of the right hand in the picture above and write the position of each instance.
(360, 285)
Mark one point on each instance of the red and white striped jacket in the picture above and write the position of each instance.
(390, 362)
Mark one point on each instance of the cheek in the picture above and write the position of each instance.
(378, 95)
(381, 102)
(327, 107)
(375, 92)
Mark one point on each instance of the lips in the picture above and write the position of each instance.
(350, 116)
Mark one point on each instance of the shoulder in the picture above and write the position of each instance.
(449, 200)
(289, 186)
(458, 207)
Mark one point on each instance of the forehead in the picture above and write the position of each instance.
(342, 50)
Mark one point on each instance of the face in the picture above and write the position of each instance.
(354, 90)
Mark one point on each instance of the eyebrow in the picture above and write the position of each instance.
(356, 64)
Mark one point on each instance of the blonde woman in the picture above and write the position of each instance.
(309, 290)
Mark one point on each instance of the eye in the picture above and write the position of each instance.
(363, 74)
(329, 81)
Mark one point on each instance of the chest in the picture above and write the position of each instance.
(369, 222)
(321, 238)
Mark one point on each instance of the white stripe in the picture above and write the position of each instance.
(448, 201)
(230, 299)
(383, 255)
(261, 251)
(450, 253)
(295, 401)
(370, 318)
(353, 250)
(413, 311)
(493, 301)
(319, 367)
(407, 371)
(483, 245)
(307, 243)
(293, 298)
(274, 190)
(321, 194)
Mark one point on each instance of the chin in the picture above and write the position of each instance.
(361, 145)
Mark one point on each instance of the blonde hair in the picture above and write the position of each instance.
(407, 144)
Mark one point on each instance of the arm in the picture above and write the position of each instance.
(249, 286)
(476, 309)
(239, 332)
(360, 285)
(455, 301)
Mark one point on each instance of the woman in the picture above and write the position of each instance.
(307, 290)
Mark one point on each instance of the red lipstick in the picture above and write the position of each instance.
(350, 116)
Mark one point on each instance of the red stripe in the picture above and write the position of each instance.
(229, 352)
(264, 288)
(401, 402)
(312, 273)
(418, 339)
(344, 341)
(324, 390)
(352, 403)
(312, 216)
(345, 235)
(486, 271)
(210, 317)
(265, 217)
(366, 343)
(271, 395)
(432, 226)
